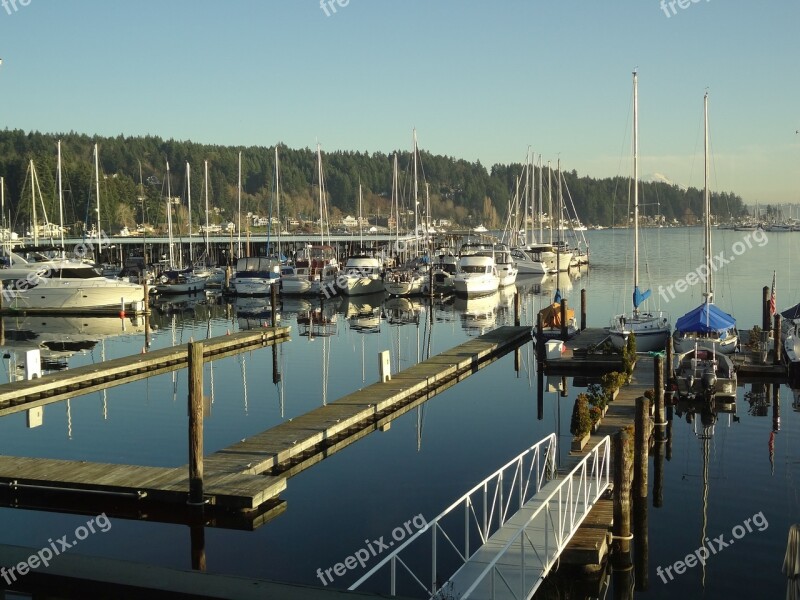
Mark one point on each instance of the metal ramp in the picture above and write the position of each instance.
(524, 516)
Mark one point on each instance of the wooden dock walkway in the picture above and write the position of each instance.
(254, 471)
(54, 387)
(590, 543)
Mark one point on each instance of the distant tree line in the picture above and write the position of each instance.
(134, 184)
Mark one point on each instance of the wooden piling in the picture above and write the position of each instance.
(540, 348)
(227, 277)
(765, 308)
(622, 494)
(273, 301)
(195, 368)
(539, 395)
(641, 545)
(146, 297)
(668, 361)
(517, 309)
(777, 352)
(583, 309)
(658, 386)
(564, 324)
(641, 426)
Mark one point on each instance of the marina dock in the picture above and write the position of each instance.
(250, 474)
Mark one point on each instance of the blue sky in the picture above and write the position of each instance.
(479, 80)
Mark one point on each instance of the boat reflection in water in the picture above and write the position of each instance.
(363, 313)
(478, 315)
(172, 304)
(59, 338)
(254, 312)
(320, 321)
(403, 311)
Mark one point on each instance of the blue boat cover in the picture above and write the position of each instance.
(705, 319)
(792, 313)
(639, 296)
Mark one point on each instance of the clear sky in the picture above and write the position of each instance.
(479, 80)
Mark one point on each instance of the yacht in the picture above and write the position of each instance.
(68, 286)
(476, 275)
(313, 270)
(363, 274)
(255, 276)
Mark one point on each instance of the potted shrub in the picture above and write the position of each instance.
(611, 383)
(581, 423)
(595, 414)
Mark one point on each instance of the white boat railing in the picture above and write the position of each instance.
(486, 508)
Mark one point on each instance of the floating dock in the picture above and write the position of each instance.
(251, 473)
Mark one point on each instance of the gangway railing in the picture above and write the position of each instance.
(546, 526)
(453, 539)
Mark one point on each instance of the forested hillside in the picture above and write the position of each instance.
(134, 168)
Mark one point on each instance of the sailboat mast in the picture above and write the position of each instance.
(539, 216)
(97, 190)
(239, 223)
(635, 187)
(169, 222)
(319, 179)
(278, 199)
(707, 203)
(189, 202)
(550, 197)
(416, 190)
(208, 254)
(3, 201)
(396, 205)
(60, 198)
(360, 228)
(33, 204)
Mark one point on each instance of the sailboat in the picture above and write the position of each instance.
(315, 268)
(176, 280)
(363, 273)
(651, 330)
(706, 326)
(255, 275)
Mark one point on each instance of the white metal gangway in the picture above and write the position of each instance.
(523, 514)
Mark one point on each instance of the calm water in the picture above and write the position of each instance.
(430, 456)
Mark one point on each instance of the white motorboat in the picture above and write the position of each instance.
(312, 271)
(67, 286)
(362, 275)
(703, 373)
(476, 275)
(255, 276)
(179, 282)
(443, 268)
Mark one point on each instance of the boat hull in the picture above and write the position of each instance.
(652, 331)
(75, 296)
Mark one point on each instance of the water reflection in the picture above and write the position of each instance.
(59, 338)
(363, 313)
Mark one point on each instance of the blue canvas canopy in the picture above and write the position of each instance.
(706, 318)
(792, 313)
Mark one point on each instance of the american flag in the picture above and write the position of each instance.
(772, 297)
